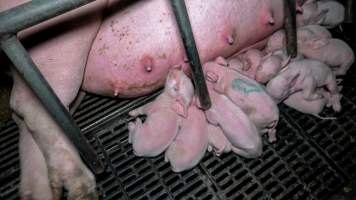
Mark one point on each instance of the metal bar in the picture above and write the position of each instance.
(291, 27)
(349, 11)
(34, 12)
(34, 79)
(185, 28)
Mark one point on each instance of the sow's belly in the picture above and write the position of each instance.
(137, 44)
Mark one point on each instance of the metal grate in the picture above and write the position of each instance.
(311, 159)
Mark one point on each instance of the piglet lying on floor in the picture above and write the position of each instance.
(191, 143)
(164, 114)
(312, 107)
(245, 93)
(235, 124)
(306, 76)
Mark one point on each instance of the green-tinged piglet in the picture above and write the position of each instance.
(246, 93)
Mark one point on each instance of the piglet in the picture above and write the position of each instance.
(305, 33)
(236, 125)
(164, 115)
(270, 66)
(335, 13)
(245, 93)
(218, 143)
(333, 52)
(325, 13)
(310, 14)
(272, 63)
(313, 107)
(314, 30)
(246, 63)
(191, 143)
(304, 75)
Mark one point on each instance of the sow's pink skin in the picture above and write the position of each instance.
(152, 137)
(304, 75)
(191, 143)
(135, 47)
(245, 93)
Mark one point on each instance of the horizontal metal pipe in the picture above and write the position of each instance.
(34, 12)
(34, 79)
(186, 32)
(291, 27)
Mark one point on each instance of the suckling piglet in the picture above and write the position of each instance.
(333, 52)
(325, 13)
(310, 32)
(164, 115)
(272, 63)
(304, 75)
(236, 125)
(335, 13)
(246, 63)
(270, 66)
(246, 93)
(191, 143)
(310, 14)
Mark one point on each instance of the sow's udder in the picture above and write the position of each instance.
(136, 45)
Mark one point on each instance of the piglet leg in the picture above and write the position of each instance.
(309, 89)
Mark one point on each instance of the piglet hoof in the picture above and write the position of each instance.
(335, 101)
(272, 135)
(210, 148)
(131, 127)
(314, 96)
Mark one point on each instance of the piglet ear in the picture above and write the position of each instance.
(179, 107)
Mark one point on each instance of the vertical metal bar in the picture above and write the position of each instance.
(32, 76)
(185, 28)
(349, 11)
(34, 12)
(291, 27)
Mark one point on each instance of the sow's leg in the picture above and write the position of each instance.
(34, 173)
(60, 49)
